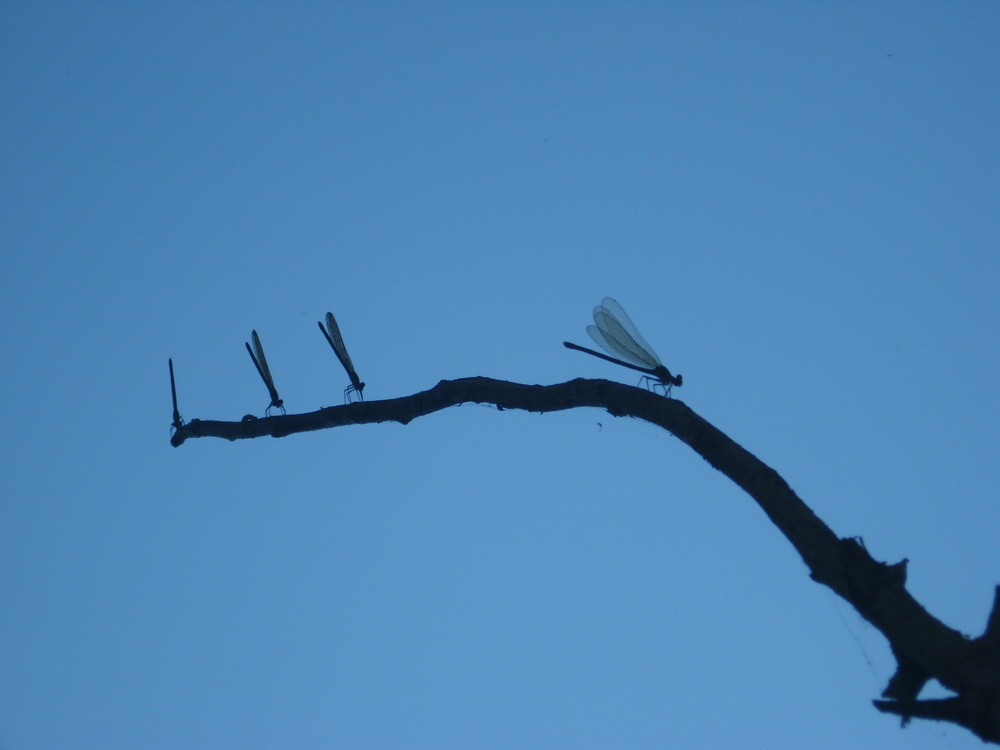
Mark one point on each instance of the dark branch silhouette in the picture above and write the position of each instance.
(924, 647)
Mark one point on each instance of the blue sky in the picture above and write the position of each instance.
(796, 202)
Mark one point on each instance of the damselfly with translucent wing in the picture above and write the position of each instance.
(616, 334)
(332, 334)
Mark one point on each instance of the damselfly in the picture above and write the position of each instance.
(332, 334)
(178, 422)
(260, 362)
(616, 334)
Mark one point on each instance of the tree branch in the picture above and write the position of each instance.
(924, 647)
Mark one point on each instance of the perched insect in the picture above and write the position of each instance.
(332, 334)
(260, 362)
(616, 334)
(178, 422)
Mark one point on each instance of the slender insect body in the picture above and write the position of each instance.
(617, 334)
(178, 422)
(260, 362)
(332, 334)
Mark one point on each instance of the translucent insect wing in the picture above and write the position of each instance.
(613, 349)
(618, 312)
(616, 333)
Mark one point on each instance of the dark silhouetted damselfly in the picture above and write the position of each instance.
(178, 422)
(260, 362)
(332, 334)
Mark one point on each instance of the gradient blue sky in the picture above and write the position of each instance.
(796, 202)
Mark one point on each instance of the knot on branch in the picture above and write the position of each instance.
(860, 578)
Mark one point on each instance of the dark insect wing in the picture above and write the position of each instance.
(260, 362)
(173, 387)
(173, 395)
(337, 341)
(616, 333)
(265, 371)
(331, 332)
